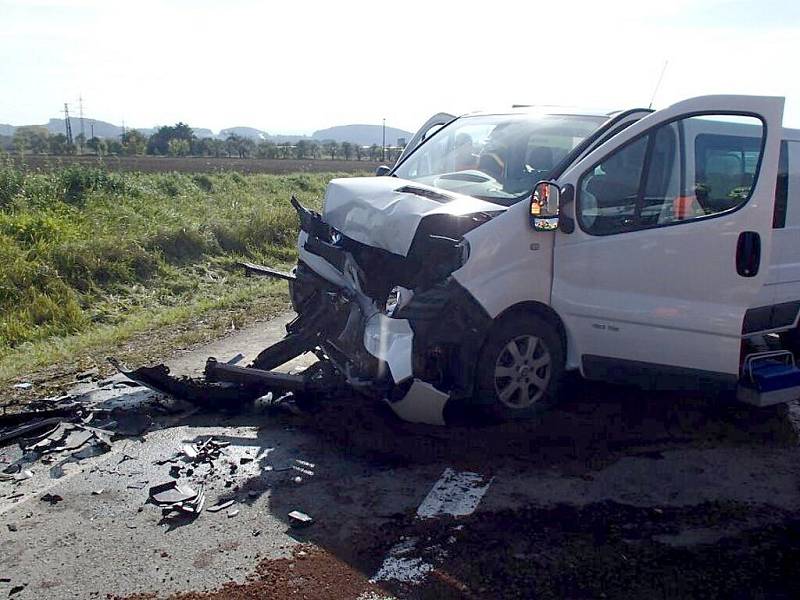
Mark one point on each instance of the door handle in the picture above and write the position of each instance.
(748, 254)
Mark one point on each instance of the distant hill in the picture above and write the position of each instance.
(365, 135)
(248, 132)
(102, 129)
(201, 132)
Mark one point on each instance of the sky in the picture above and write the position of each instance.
(294, 66)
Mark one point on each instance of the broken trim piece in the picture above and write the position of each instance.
(211, 395)
(423, 403)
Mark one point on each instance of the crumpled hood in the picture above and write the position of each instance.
(384, 212)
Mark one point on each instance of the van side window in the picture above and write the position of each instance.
(681, 171)
(725, 166)
(610, 191)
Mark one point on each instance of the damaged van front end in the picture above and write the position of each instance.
(407, 284)
(377, 263)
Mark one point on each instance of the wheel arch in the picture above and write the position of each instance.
(539, 309)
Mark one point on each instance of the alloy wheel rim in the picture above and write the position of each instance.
(522, 372)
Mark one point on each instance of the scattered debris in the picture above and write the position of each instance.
(51, 498)
(97, 492)
(11, 526)
(28, 428)
(221, 506)
(16, 590)
(170, 493)
(174, 497)
(22, 386)
(300, 519)
(233, 513)
(207, 451)
(65, 436)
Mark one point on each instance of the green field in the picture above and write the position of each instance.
(92, 259)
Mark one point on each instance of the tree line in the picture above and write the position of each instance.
(179, 140)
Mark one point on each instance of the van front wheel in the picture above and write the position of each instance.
(520, 368)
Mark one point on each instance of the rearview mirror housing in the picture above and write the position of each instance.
(544, 205)
(382, 171)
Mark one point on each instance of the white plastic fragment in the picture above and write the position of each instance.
(391, 341)
(423, 403)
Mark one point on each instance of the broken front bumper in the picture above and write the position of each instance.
(416, 358)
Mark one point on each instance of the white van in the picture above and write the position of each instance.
(657, 248)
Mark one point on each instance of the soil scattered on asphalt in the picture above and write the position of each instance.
(311, 573)
(711, 550)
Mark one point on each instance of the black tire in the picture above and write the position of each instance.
(535, 380)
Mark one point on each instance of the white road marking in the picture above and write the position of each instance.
(399, 566)
(456, 494)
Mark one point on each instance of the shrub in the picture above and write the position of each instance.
(103, 261)
(204, 182)
(183, 244)
(11, 184)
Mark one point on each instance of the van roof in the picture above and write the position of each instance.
(543, 109)
(791, 134)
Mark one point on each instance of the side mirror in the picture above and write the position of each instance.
(382, 171)
(544, 204)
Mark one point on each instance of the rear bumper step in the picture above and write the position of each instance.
(769, 378)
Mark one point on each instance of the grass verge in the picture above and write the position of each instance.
(95, 263)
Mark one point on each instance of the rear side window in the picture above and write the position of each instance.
(725, 167)
(681, 171)
(782, 189)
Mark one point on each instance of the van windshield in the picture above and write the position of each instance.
(496, 157)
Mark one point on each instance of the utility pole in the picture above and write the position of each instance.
(91, 125)
(383, 144)
(80, 113)
(67, 124)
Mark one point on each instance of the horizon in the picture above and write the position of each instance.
(211, 64)
(273, 133)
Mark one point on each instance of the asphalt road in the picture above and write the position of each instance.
(616, 493)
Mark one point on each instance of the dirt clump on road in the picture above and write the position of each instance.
(311, 573)
(611, 550)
